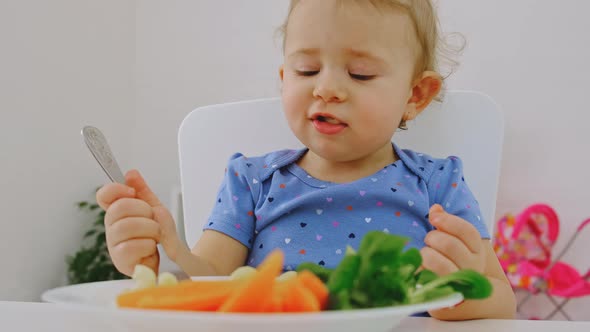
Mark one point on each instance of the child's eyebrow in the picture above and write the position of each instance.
(349, 51)
(363, 54)
(304, 51)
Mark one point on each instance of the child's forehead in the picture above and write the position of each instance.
(317, 25)
(353, 15)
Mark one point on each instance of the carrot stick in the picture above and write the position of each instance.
(186, 295)
(297, 298)
(254, 294)
(308, 300)
(277, 298)
(316, 286)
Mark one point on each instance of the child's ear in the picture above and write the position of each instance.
(281, 71)
(424, 90)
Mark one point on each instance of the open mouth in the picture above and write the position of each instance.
(327, 118)
(322, 118)
(327, 124)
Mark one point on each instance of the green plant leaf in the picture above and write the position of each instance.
(382, 273)
(424, 277)
(340, 301)
(345, 274)
(471, 284)
(90, 233)
(100, 240)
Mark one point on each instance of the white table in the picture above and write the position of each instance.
(33, 316)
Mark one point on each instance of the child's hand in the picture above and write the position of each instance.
(454, 245)
(135, 221)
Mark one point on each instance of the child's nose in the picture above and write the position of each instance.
(330, 88)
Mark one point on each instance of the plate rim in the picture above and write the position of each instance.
(400, 310)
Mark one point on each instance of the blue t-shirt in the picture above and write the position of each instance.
(269, 202)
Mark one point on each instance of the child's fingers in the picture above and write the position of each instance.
(134, 179)
(127, 207)
(107, 194)
(437, 262)
(132, 252)
(133, 228)
(457, 227)
(152, 261)
(168, 237)
(436, 208)
(164, 219)
(449, 246)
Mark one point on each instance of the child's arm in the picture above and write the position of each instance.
(456, 244)
(215, 254)
(136, 221)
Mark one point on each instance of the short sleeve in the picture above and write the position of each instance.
(447, 187)
(233, 212)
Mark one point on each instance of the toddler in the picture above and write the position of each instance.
(354, 72)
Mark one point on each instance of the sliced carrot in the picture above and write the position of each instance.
(316, 286)
(309, 301)
(277, 298)
(275, 305)
(210, 300)
(186, 295)
(297, 298)
(255, 293)
(282, 298)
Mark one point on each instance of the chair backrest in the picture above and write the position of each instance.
(467, 124)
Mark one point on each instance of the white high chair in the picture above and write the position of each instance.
(467, 124)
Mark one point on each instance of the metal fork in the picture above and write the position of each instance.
(97, 144)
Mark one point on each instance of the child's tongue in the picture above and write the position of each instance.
(330, 120)
(328, 126)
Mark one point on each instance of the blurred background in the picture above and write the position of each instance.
(135, 69)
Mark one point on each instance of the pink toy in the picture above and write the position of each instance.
(523, 244)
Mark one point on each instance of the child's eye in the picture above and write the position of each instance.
(362, 77)
(307, 72)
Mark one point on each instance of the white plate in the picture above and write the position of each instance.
(99, 297)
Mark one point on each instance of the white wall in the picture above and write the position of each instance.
(63, 64)
(194, 53)
(529, 55)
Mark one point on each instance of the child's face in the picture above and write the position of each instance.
(347, 77)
